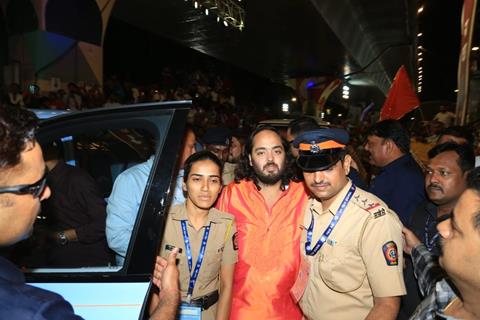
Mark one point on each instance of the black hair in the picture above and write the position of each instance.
(200, 156)
(245, 171)
(473, 183)
(458, 132)
(17, 131)
(301, 125)
(466, 155)
(392, 130)
(240, 136)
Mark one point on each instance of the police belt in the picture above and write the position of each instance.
(206, 301)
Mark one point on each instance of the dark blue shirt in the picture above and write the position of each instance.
(21, 301)
(423, 220)
(401, 185)
(357, 179)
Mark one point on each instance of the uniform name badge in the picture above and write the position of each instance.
(301, 282)
(188, 311)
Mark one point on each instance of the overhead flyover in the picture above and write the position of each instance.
(380, 36)
(284, 39)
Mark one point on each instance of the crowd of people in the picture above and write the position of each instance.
(316, 223)
(212, 95)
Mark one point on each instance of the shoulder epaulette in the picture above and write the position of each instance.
(374, 208)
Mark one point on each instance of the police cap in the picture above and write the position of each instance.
(320, 149)
(218, 136)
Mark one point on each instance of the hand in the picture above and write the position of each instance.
(165, 273)
(163, 305)
(410, 240)
(160, 266)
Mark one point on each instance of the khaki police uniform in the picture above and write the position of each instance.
(221, 250)
(357, 262)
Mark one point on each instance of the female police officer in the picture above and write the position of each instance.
(206, 240)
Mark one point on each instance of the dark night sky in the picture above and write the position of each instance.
(440, 25)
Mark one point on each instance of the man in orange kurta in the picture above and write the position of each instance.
(268, 208)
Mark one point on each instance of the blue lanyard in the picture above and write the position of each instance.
(308, 249)
(430, 243)
(201, 254)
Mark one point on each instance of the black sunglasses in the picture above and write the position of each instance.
(35, 189)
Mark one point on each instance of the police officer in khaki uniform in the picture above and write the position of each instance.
(206, 238)
(352, 242)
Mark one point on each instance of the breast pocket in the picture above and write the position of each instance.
(212, 264)
(341, 268)
(184, 276)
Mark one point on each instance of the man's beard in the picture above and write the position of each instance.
(269, 178)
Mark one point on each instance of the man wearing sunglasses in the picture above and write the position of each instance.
(22, 188)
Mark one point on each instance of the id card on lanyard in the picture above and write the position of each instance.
(313, 251)
(187, 310)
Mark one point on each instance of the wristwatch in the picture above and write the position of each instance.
(62, 238)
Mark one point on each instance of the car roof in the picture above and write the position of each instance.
(284, 122)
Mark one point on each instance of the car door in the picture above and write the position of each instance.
(103, 143)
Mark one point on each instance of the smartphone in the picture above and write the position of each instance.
(169, 247)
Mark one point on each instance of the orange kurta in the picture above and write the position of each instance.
(268, 250)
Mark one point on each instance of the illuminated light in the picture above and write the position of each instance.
(294, 99)
(412, 118)
(195, 4)
(456, 90)
(345, 97)
(420, 10)
(420, 71)
(419, 53)
(420, 59)
(310, 84)
(475, 48)
(206, 12)
(419, 34)
(339, 115)
(420, 68)
(285, 107)
(218, 19)
(421, 48)
(322, 115)
(225, 23)
(329, 111)
(346, 88)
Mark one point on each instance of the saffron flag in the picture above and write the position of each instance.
(401, 98)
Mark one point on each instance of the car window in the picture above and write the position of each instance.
(82, 169)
